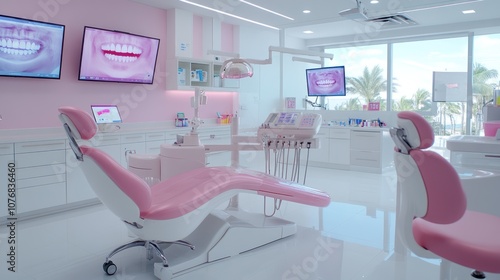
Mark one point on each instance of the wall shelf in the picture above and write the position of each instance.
(189, 73)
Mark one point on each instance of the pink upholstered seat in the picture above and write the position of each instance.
(173, 209)
(433, 200)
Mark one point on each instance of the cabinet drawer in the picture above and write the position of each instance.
(340, 133)
(156, 136)
(30, 199)
(365, 140)
(38, 146)
(40, 158)
(133, 138)
(38, 171)
(6, 149)
(105, 140)
(365, 158)
(41, 181)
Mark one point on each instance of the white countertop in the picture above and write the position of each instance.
(475, 144)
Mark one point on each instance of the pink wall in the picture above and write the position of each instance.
(33, 103)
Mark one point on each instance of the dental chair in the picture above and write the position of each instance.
(432, 216)
(183, 210)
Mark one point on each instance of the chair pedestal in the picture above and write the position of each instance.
(224, 233)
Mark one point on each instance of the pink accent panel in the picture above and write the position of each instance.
(133, 186)
(197, 37)
(188, 191)
(423, 127)
(227, 37)
(82, 121)
(472, 241)
(223, 102)
(31, 103)
(445, 197)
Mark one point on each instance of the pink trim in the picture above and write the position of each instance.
(423, 128)
(133, 186)
(445, 197)
(82, 121)
(187, 192)
(472, 241)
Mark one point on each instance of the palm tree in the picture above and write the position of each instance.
(404, 104)
(482, 90)
(369, 84)
(422, 99)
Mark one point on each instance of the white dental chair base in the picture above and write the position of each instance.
(224, 233)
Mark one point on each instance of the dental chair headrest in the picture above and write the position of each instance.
(418, 131)
(82, 125)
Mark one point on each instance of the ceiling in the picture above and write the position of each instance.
(325, 21)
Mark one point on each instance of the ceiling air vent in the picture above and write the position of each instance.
(393, 20)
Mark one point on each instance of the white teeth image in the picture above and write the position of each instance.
(118, 48)
(130, 49)
(18, 47)
(124, 49)
(119, 58)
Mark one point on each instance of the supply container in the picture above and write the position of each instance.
(491, 127)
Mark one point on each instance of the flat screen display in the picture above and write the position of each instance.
(106, 114)
(326, 81)
(30, 48)
(115, 56)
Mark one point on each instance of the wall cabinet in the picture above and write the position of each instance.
(190, 73)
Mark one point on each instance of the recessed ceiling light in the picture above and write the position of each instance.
(306, 11)
(308, 32)
(469, 12)
(374, 2)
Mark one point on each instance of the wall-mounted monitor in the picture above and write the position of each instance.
(326, 81)
(106, 114)
(30, 48)
(115, 56)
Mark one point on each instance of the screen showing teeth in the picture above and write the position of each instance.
(121, 53)
(18, 47)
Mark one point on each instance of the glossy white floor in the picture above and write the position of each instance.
(353, 238)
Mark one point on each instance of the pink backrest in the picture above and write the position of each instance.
(82, 121)
(446, 201)
(133, 186)
(129, 183)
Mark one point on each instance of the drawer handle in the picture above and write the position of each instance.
(212, 136)
(155, 136)
(133, 137)
(492, 156)
(42, 145)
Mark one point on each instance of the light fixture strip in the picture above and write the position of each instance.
(229, 15)
(264, 9)
(441, 6)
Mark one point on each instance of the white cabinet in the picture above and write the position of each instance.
(322, 153)
(370, 150)
(220, 136)
(340, 145)
(190, 73)
(6, 157)
(41, 174)
(131, 144)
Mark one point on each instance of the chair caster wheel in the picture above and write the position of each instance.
(109, 267)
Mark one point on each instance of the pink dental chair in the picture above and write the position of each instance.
(432, 215)
(184, 205)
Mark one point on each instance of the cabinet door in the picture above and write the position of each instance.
(5, 159)
(131, 148)
(77, 187)
(340, 151)
(322, 153)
